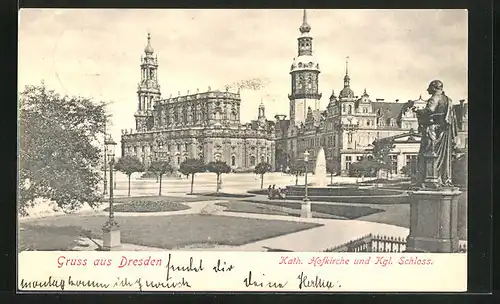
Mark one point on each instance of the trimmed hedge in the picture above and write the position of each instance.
(148, 206)
(349, 212)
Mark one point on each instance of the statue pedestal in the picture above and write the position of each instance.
(305, 210)
(433, 220)
(111, 238)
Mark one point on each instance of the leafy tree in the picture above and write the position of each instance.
(218, 167)
(332, 167)
(59, 151)
(191, 166)
(129, 165)
(364, 167)
(381, 150)
(297, 168)
(261, 169)
(160, 167)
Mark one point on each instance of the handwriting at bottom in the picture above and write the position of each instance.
(249, 281)
(61, 283)
(317, 282)
(168, 283)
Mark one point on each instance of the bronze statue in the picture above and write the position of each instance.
(438, 126)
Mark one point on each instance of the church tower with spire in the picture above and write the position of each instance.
(304, 77)
(148, 89)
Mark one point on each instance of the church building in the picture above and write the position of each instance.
(202, 125)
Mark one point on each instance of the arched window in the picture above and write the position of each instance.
(343, 108)
(262, 159)
(178, 159)
(268, 160)
(252, 160)
(233, 160)
(350, 110)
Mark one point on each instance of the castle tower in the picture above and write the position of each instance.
(304, 76)
(148, 89)
(346, 95)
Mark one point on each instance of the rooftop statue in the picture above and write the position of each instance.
(438, 126)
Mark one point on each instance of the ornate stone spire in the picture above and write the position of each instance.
(149, 49)
(346, 91)
(305, 27)
(346, 77)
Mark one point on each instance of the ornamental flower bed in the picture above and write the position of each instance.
(148, 206)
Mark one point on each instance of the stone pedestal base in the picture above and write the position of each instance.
(433, 220)
(305, 210)
(111, 239)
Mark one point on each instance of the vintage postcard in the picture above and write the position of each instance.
(242, 150)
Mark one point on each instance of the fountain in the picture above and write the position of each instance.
(320, 171)
(320, 190)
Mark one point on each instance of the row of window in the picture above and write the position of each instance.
(216, 157)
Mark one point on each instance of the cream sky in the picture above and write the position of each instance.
(394, 54)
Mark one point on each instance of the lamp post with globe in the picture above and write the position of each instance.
(111, 232)
(306, 204)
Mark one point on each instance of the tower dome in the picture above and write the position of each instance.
(149, 49)
(346, 93)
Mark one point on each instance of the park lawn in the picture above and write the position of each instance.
(397, 215)
(48, 238)
(343, 211)
(165, 232)
(246, 207)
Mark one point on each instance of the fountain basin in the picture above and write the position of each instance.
(349, 194)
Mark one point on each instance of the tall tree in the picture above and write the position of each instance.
(160, 167)
(59, 151)
(261, 169)
(191, 166)
(297, 167)
(218, 167)
(129, 165)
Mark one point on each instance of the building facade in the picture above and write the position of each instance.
(350, 124)
(203, 125)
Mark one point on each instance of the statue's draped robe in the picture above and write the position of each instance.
(439, 130)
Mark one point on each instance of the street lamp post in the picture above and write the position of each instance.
(111, 231)
(306, 204)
